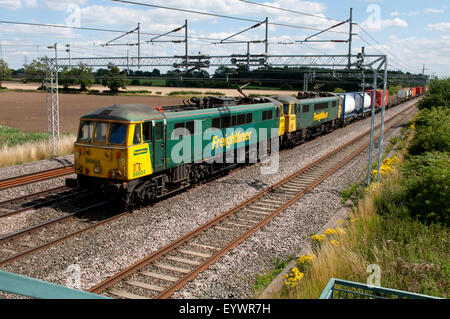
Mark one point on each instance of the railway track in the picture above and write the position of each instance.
(42, 236)
(36, 177)
(163, 272)
(36, 200)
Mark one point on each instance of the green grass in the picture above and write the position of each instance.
(413, 256)
(262, 281)
(182, 92)
(353, 192)
(11, 136)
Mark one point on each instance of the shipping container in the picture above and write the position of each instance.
(378, 97)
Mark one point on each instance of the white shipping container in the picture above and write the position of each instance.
(349, 102)
(402, 93)
(359, 101)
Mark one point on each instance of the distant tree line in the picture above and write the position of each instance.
(282, 78)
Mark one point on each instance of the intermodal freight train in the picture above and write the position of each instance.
(138, 153)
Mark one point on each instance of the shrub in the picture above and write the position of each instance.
(437, 95)
(422, 192)
(433, 131)
(339, 90)
(427, 186)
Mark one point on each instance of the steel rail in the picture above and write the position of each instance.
(167, 292)
(63, 238)
(37, 197)
(35, 228)
(36, 177)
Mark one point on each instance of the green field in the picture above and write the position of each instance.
(11, 136)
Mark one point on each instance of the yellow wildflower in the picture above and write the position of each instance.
(354, 220)
(293, 278)
(340, 230)
(318, 237)
(305, 259)
(335, 243)
(329, 231)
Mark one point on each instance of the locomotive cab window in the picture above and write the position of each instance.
(306, 108)
(137, 134)
(117, 134)
(85, 132)
(100, 132)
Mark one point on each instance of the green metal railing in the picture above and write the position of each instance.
(30, 287)
(343, 289)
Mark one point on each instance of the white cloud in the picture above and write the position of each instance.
(443, 26)
(61, 5)
(409, 13)
(432, 10)
(11, 4)
(434, 52)
(30, 3)
(383, 24)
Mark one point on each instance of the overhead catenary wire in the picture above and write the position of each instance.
(97, 29)
(383, 47)
(219, 15)
(290, 10)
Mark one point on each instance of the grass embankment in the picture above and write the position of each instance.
(399, 225)
(17, 147)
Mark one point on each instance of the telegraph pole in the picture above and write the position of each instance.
(350, 29)
(266, 50)
(139, 44)
(383, 106)
(53, 104)
(186, 43)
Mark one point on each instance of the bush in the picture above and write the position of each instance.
(433, 131)
(339, 90)
(422, 192)
(437, 95)
(427, 186)
(185, 93)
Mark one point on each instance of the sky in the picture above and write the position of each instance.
(411, 33)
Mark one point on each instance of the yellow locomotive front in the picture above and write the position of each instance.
(108, 153)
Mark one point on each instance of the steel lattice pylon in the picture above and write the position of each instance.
(52, 105)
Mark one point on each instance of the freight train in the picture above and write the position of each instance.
(139, 153)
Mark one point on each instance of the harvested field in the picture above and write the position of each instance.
(27, 110)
